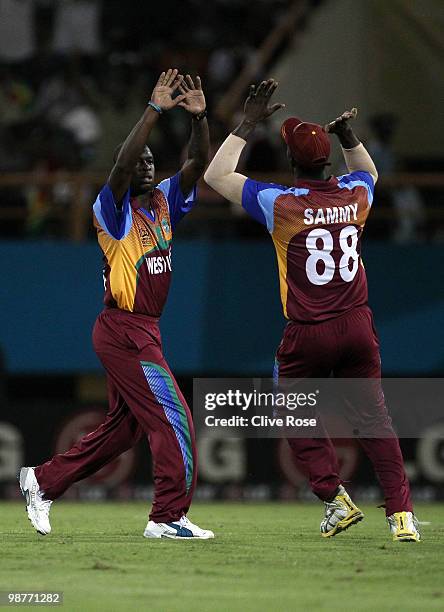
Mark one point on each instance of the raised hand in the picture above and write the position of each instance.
(166, 86)
(194, 99)
(257, 106)
(340, 124)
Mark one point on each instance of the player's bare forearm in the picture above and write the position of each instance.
(199, 145)
(355, 154)
(161, 101)
(120, 177)
(348, 139)
(245, 129)
(198, 152)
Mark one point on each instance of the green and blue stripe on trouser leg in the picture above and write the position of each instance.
(178, 416)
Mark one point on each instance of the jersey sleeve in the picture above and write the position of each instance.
(258, 200)
(358, 179)
(114, 221)
(178, 205)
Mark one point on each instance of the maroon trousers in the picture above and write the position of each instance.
(346, 347)
(144, 399)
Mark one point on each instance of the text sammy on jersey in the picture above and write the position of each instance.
(336, 214)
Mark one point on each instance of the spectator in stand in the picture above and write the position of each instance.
(66, 101)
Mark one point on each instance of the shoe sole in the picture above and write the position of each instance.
(173, 537)
(407, 537)
(350, 520)
(25, 492)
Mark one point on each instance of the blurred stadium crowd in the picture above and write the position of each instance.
(75, 76)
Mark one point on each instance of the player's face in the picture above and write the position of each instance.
(143, 177)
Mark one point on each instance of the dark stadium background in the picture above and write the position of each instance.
(74, 78)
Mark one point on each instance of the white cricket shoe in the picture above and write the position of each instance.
(404, 527)
(340, 514)
(183, 529)
(36, 507)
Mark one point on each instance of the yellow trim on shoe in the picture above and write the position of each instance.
(402, 533)
(354, 517)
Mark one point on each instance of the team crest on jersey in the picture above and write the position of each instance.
(166, 226)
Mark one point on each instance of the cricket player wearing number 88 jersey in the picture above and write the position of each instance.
(316, 226)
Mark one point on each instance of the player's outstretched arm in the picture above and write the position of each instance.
(161, 100)
(355, 154)
(199, 144)
(220, 174)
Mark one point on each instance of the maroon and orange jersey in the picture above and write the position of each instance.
(316, 227)
(136, 245)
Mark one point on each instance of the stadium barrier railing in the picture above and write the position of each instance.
(73, 218)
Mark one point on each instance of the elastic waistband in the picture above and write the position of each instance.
(130, 316)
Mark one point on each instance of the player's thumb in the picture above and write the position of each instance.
(178, 99)
(275, 108)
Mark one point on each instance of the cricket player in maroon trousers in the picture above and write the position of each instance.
(135, 220)
(316, 226)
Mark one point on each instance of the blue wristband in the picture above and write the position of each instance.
(155, 107)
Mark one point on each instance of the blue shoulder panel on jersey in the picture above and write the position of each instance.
(258, 200)
(298, 191)
(358, 179)
(178, 205)
(117, 223)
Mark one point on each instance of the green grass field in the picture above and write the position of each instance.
(265, 557)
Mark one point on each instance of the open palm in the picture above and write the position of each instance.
(165, 87)
(257, 106)
(194, 99)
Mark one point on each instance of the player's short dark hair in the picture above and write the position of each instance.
(117, 151)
